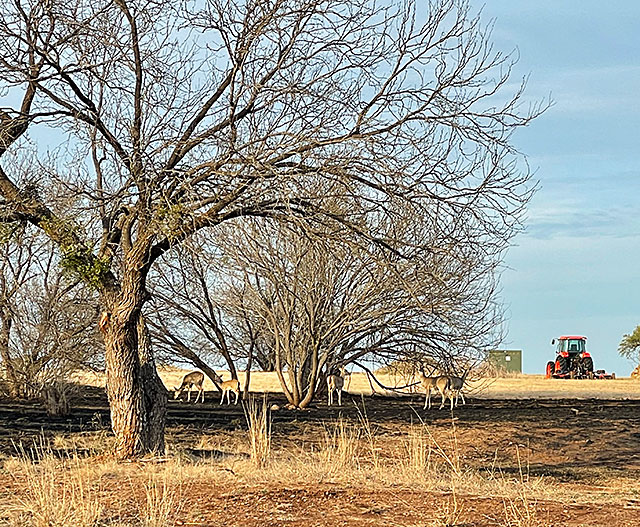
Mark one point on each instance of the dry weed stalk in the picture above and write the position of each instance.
(451, 512)
(521, 511)
(369, 435)
(417, 451)
(450, 456)
(259, 423)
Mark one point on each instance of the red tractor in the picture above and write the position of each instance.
(572, 359)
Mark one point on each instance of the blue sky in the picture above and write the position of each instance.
(575, 269)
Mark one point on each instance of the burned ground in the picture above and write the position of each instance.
(582, 442)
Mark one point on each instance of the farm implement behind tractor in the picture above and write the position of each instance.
(573, 361)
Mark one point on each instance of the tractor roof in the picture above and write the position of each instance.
(572, 337)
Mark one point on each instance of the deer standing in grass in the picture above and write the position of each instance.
(440, 384)
(191, 380)
(455, 386)
(226, 387)
(335, 383)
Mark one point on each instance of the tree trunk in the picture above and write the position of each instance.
(137, 397)
(230, 363)
(278, 368)
(5, 333)
(224, 349)
(312, 375)
(155, 394)
(247, 372)
(295, 387)
(124, 382)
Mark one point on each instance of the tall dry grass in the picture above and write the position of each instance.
(339, 452)
(356, 454)
(259, 430)
(58, 493)
(370, 436)
(78, 491)
(163, 501)
(520, 507)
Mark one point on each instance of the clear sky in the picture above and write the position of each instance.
(576, 268)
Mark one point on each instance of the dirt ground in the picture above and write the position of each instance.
(579, 446)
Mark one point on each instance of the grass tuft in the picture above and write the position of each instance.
(259, 423)
(339, 453)
(163, 498)
(57, 493)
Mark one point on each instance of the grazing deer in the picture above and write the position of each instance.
(335, 383)
(191, 380)
(439, 383)
(226, 387)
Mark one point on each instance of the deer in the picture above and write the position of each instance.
(439, 383)
(335, 383)
(455, 386)
(191, 380)
(226, 387)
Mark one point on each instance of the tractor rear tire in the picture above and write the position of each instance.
(587, 365)
(562, 364)
(551, 369)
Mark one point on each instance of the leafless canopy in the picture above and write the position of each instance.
(195, 114)
(179, 116)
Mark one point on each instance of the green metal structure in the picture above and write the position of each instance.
(509, 361)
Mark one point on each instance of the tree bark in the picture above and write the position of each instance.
(247, 371)
(137, 397)
(124, 382)
(312, 378)
(5, 333)
(155, 394)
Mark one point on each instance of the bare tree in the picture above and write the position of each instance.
(48, 319)
(180, 117)
(328, 303)
(314, 296)
(197, 317)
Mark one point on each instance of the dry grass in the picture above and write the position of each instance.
(163, 498)
(520, 507)
(90, 492)
(451, 513)
(80, 492)
(360, 454)
(339, 452)
(259, 424)
(56, 493)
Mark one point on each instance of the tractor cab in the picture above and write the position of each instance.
(567, 346)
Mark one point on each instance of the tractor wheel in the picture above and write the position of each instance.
(551, 369)
(587, 364)
(562, 364)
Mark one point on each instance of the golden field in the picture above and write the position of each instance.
(517, 387)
